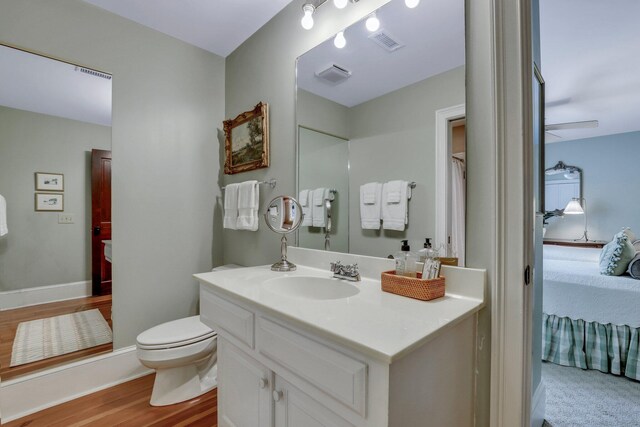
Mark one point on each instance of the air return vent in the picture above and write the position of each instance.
(93, 73)
(385, 40)
(334, 74)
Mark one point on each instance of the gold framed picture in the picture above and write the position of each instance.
(46, 181)
(247, 141)
(49, 202)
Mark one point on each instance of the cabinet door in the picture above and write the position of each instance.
(293, 408)
(244, 389)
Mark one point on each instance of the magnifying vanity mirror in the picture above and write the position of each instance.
(283, 216)
(386, 107)
(55, 176)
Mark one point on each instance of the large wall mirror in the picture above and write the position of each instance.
(55, 212)
(380, 119)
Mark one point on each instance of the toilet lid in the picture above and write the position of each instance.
(176, 333)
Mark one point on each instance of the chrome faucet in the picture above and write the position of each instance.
(347, 272)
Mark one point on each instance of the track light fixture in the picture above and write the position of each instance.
(339, 41)
(307, 19)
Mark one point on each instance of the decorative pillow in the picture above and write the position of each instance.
(636, 245)
(634, 267)
(631, 236)
(616, 255)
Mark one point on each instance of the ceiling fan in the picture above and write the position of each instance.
(587, 124)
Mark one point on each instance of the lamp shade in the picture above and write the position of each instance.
(574, 208)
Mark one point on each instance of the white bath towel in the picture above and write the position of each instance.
(231, 206)
(3, 216)
(370, 205)
(318, 210)
(248, 203)
(395, 206)
(304, 197)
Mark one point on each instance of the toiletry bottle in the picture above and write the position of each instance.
(426, 252)
(406, 261)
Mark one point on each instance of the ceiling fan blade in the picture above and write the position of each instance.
(573, 125)
(550, 138)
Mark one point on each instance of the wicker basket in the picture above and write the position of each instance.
(412, 287)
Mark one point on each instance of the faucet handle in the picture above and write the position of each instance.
(336, 266)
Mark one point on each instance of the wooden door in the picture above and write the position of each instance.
(100, 220)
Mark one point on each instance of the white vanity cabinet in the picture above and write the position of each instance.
(245, 398)
(276, 371)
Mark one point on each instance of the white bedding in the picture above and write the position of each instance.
(574, 288)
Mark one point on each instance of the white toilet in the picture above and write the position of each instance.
(183, 353)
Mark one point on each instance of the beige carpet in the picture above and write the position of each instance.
(44, 338)
(580, 398)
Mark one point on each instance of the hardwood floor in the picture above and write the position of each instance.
(126, 405)
(9, 320)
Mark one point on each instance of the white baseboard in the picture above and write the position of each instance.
(32, 393)
(538, 405)
(44, 294)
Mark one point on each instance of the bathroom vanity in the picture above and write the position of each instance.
(302, 349)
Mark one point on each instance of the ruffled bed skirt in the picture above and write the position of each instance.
(591, 345)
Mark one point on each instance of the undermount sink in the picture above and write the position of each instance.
(311, 287)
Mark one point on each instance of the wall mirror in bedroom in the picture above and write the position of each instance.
(587, 314)
(55, 183)
(380, 124)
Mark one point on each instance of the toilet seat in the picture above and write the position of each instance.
(176, 333)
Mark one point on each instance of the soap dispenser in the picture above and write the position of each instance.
(406, 261)
(426, 252)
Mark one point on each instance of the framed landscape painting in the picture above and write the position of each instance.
(247, 141)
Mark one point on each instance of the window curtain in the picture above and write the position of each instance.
(458, 209)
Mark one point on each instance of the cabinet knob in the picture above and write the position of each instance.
(277, 395)
(263, 382)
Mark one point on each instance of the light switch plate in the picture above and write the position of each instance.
(65, 218)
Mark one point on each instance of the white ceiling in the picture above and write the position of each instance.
(591, 65)
(433, 34)
(219, 26)
(43, 85)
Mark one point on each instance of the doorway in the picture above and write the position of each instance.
(101, 222)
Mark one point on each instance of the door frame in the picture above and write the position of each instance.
(443, 169)
(500, 217)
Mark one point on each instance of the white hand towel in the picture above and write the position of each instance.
(3, 217)
(231, 206)
(370, 202)
(395, 210)
(307, 220)
(318, 210)
(248, 203)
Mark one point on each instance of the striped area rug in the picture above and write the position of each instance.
(44, 338)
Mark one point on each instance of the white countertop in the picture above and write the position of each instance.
(381, 325)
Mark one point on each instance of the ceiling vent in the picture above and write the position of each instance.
(93, 73)
(385, 40)
(334, 74)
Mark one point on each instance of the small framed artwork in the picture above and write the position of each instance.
(49, 202)
(247, 141)
(49, 181)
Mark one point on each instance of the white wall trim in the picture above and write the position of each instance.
(538, 405)
(44, 294)
(32, 393)
(442, 168)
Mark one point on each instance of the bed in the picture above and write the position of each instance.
(590, 320)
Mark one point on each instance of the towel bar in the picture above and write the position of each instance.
(272, 183)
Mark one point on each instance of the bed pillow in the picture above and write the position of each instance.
(616, 255)
(634, 267)
(636, 245)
